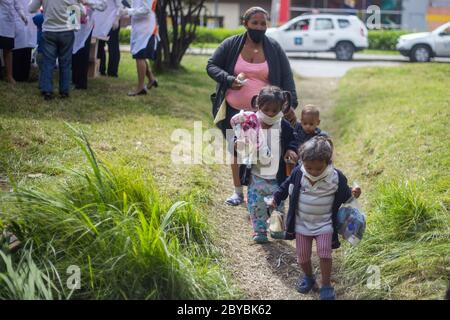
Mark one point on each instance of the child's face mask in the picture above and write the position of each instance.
(313, 173)
(270, 121)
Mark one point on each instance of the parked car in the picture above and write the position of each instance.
(421, 47)
(343, 34)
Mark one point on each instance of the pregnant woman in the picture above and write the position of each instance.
(242, 65)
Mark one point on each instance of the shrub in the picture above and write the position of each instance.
(204, 35)
(384, 39)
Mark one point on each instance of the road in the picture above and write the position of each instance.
(321, 68)
(324, 64)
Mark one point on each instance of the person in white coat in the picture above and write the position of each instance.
(8, 9)
(107, 30)
(82, 44)
(144, 41)
(24, 42)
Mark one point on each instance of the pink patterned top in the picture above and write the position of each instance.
(258, 77)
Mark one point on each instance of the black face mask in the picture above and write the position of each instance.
(256, 35)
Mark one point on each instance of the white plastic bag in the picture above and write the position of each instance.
(276, 220)
(276, 225)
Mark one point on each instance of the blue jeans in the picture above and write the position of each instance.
(56, 45)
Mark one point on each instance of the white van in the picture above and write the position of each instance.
(343, 34)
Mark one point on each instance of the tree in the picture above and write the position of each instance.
(183, 17)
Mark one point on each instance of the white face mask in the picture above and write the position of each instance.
(323, 175)
(270, 121)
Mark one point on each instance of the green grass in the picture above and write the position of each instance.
(134, 223)
(392, 135)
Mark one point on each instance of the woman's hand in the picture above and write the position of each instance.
(291, 157)
(237, 84)
(356, 192)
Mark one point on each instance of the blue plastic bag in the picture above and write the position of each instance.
(351, 222)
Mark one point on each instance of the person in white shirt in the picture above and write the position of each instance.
(82, 44)
(144, 41)
(24, 42)
(8, 9)
(107, 29)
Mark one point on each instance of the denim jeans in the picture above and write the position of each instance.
(56, 45)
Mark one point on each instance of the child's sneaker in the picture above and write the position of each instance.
(260, 238)
(327, 293)
(306, 284)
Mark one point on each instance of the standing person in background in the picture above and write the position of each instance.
(107, 29)
(8, 8)
(24, 42)
(82, 44)
(38, 20)
(61, 18)
(144, 41)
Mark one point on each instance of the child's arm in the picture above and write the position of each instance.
(283, 191)
(292, 145)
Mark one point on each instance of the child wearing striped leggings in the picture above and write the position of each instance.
(316, 191)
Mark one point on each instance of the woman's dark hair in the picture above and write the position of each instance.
(272, 94)
(252, 11)
(318, 148)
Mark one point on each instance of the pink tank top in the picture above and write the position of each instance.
(258, 77)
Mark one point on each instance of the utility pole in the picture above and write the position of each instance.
(216, 8)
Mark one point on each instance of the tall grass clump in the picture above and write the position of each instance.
(408, 239)
(127, 241)
(21, 278)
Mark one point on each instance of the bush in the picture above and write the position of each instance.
(127, 240)
(216, 35)
(384, 39)
(204, 35)
(125, 35)
(378, 39)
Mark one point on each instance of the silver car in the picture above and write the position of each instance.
(421, 47)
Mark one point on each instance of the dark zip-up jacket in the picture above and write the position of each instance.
(343, 194)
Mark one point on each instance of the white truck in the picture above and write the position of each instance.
(421, 47)
(342, 34)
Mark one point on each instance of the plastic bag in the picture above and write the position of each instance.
(351, 222)
(276, 224)
(276, 220)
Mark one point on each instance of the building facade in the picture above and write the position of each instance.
(413, 15)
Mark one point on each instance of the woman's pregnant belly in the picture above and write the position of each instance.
(242, 99)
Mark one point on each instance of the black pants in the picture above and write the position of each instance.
(113, 52)
(21, 64)
(80, 65)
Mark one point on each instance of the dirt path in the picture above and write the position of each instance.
(266, 271)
